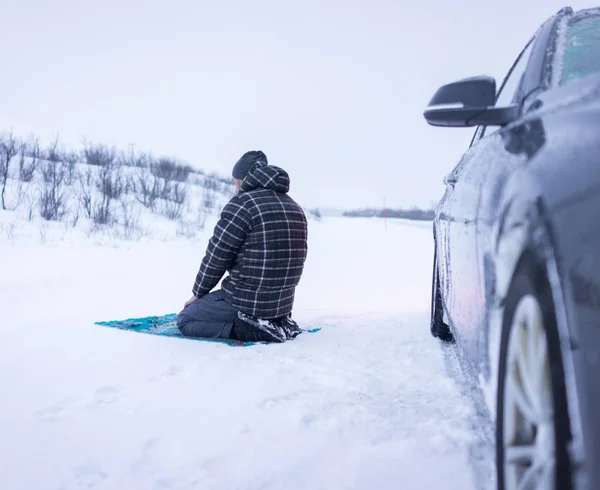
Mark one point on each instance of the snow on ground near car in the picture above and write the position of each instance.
(369, 402)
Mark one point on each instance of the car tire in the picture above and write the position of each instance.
(437, 326)
(532, 424)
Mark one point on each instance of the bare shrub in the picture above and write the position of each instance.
(315, 213)
(174, 204)
(29, 199)
(9, 148)
(52, 152)
(11, 231)
(32, 152)
(85, 190)
(111, 184)
(186, 229)
(69, 159)
(211, 182)
(99, 155)
(69, 156)
(147, 187)
(130, 219)
(71, 167)
(58, 172)
(208, 198)
(102, 212)
(168, 169)
(76, 214)
(53, 202)
(43, 232)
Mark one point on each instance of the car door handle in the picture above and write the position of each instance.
(450, 179)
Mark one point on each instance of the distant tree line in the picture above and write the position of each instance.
(415, 214)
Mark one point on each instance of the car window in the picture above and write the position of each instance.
(510, 90)
(581, 54)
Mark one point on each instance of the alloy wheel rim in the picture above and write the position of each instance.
(528, 438)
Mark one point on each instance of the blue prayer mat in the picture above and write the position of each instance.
(166, 326)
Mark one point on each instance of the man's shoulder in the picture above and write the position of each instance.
(255, 199)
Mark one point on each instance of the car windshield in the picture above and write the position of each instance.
(581, 55)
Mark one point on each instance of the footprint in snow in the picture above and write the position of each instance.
(50, 414)
(84, 477)
(57, 412)
(89, 477)
(104, 396)
(174, 371)
(275, 401)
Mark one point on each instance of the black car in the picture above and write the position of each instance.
(516, 275)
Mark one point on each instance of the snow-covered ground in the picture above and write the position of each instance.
(369, 402)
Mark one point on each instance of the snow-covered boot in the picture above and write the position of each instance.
(290, 327)
(250, 329)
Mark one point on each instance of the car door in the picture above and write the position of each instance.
(467, 186)
(457, 215)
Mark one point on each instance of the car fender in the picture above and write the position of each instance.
(511, 234)
(524, 224)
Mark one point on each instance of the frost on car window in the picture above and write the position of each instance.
(581, 49)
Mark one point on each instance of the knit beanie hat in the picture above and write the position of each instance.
(247, 162)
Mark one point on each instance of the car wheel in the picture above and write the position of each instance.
(437, 326)
(532, 424)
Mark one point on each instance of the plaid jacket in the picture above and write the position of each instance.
(261, 240)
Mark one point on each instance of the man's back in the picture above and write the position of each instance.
(261, 240)
(269, 264)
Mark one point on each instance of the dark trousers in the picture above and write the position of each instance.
(210, 317)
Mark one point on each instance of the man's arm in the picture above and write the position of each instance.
(228, 237)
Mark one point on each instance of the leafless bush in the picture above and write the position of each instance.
(53, 202)
(27, 170)
(85, 190)
(315, 213)
(211, 182)
(208, 198)
(9, 148)
(71, 174)
(29, 199)
(217, 183)
(43, 232)
(170, 170)
(10, 231)
(178, 194)
(102, 212)
(99, 155)
(172, 205)
(130, 219)
(52, 152)
(111, 184)
(70, 157)
(186, 229)
(147, 187)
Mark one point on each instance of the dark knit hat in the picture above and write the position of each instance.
(247, 162)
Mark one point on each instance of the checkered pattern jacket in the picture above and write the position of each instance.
(261, 240)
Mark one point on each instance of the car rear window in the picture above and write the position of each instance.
(581, 54)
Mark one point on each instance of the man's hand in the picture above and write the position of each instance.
(190, 301)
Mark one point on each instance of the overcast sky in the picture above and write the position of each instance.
(331, 90)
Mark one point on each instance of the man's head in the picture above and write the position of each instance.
(245, 164)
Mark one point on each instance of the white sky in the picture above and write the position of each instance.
(331, 90)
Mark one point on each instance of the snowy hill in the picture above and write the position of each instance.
(100, 191)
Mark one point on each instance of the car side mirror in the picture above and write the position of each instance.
(468, 102)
